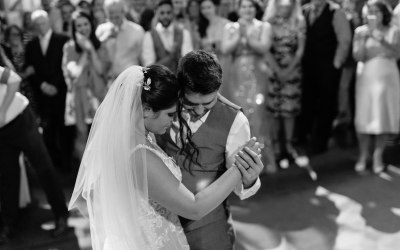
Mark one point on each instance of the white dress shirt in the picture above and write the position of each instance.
(167, 38)
(396, 16)
(44, 41)
(125, 48)
(238, 135)
(19, 102)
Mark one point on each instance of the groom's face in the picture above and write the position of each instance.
(198, 104)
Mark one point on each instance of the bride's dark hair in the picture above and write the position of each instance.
(163, 89)
(163, 92)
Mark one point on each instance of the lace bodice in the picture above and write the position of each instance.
(162, 224)
(169, 161)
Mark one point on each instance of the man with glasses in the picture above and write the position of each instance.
(219, 130)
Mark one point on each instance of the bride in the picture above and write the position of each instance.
(130, 190)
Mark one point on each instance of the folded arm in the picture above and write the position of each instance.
(164, 188)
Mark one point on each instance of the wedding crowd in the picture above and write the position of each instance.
(299, 71)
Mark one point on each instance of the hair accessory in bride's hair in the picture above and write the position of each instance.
(146, 79)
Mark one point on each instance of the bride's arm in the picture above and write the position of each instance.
(173, 195)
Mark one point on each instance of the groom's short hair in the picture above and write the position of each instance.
(200, 72)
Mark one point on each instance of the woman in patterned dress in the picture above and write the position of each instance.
(246, 42)
(127, 186)
(284, 58)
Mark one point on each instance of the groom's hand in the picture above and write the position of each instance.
(249, 163)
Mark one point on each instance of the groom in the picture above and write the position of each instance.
(219, 130)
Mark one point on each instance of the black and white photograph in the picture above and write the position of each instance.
(199, 124)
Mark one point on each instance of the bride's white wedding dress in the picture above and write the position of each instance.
(111, 188)
(164, 226)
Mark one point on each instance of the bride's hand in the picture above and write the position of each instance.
(250, 165)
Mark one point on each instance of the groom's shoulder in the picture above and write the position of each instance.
(225, 102)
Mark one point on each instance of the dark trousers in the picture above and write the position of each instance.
(218, 235)
(319, 104)
(53, 126)
(21, 135)
(68, 146)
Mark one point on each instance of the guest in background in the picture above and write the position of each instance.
(99, 15)
(66, 9)
(288, 31)
(15, 48)
(167, 42)
(54, 15)
(179, 7)
(248, 41)
(122, 38)
(15, 51)
(135, 9)
(84, 63)
(147, 16)
(211, 27)
(326, 50)
(19, 133)
(192, 22)
(376, 48)
(44, 54)
(27, 27)
(225, 7)
(4, 60)
(85, 6)
(347, 81)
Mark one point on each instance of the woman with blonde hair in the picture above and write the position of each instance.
(288, 34)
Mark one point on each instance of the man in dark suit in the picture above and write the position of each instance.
(326, 50)
(44, 54)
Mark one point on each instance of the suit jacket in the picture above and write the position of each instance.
(47, 69)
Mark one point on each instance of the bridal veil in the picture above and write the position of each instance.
(111, 187)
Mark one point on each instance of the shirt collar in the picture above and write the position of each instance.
(199, 121)
(46, 36)
(161, 28)
(319, 8)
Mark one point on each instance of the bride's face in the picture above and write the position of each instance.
(159, 122)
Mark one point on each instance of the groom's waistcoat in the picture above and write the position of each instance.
(211, 140)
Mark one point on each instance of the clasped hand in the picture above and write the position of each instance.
(248, 161)
(48, 89)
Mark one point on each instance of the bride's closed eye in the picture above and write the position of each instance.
(173, 114)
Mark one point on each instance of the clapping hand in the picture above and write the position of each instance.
(83, 42)
(48, 89)
(248, 161)
(252, 34)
